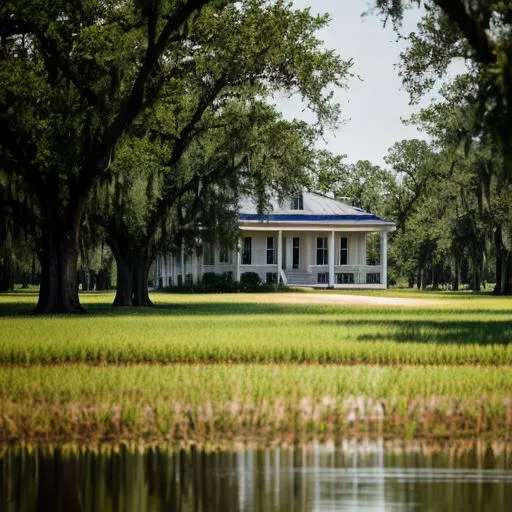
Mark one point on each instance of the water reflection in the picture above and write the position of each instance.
(350, 476)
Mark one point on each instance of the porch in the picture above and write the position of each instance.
(320, 259)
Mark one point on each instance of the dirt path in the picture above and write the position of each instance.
(354, 300)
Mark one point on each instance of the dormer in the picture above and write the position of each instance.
(297, 203)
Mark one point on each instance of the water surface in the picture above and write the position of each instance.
(352, 476)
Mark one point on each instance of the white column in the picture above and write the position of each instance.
(238, 260)
(279, 254)
(172, 268)
(331, 259)
(288, 250)
(194, 267)
(384, 258)
(308, 250)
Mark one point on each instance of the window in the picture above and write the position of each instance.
(345, 278)
(344, 250)
(322, 278)
(321, 251)
(224, 255)
(297, 203)
(208, 254)
(271, 252)
(271, 278)
(247, 251)
(373, 278)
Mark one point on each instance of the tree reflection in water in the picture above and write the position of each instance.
(353, 475)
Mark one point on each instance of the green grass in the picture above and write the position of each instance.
(441, 370)
(197, 403)
(249, 328)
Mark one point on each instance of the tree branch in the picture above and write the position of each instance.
(54, 59)
(475, 34)
(132, 105)
(12, 142)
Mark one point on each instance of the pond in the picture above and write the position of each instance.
(353, 475)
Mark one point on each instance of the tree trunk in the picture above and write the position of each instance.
(140, 281)
(87, 280)
(59, 257)
(476, 282)
(132, 272)
(6, 281)
(93, 279)
(503, 266)
(6, 269)
(455, 275)
(435, 276)
(33, 271)
(504, 284)
(124, 288)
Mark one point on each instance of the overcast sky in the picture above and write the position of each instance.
(374, 103)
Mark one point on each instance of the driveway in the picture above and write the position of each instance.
(352, 300)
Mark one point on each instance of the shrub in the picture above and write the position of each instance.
(210, 280)
(218, 282)
(250, 281)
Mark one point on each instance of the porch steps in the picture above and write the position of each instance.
(299, 278)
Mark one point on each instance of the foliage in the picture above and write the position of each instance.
(364, 184)
(476, 114)
(74, 78)
(205, 141)
(218, 283)
(250, 281)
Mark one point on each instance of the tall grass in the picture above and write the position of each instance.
(236, 328)
(448, 373)
(197, 403)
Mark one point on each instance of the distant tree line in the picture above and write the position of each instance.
(471, 127)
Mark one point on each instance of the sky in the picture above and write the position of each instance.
(375, 102)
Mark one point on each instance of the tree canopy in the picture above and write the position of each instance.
(80, 77)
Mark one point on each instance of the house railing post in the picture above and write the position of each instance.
(384, 258)
(331, 260)
(238, 261)
(279, 255)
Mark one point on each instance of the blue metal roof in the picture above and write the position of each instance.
(316, 208)
(280, 217)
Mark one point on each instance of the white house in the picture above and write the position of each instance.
(312, 240)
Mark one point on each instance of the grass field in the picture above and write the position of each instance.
(245, 328)
(432, 371)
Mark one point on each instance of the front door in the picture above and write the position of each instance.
(296, 252)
